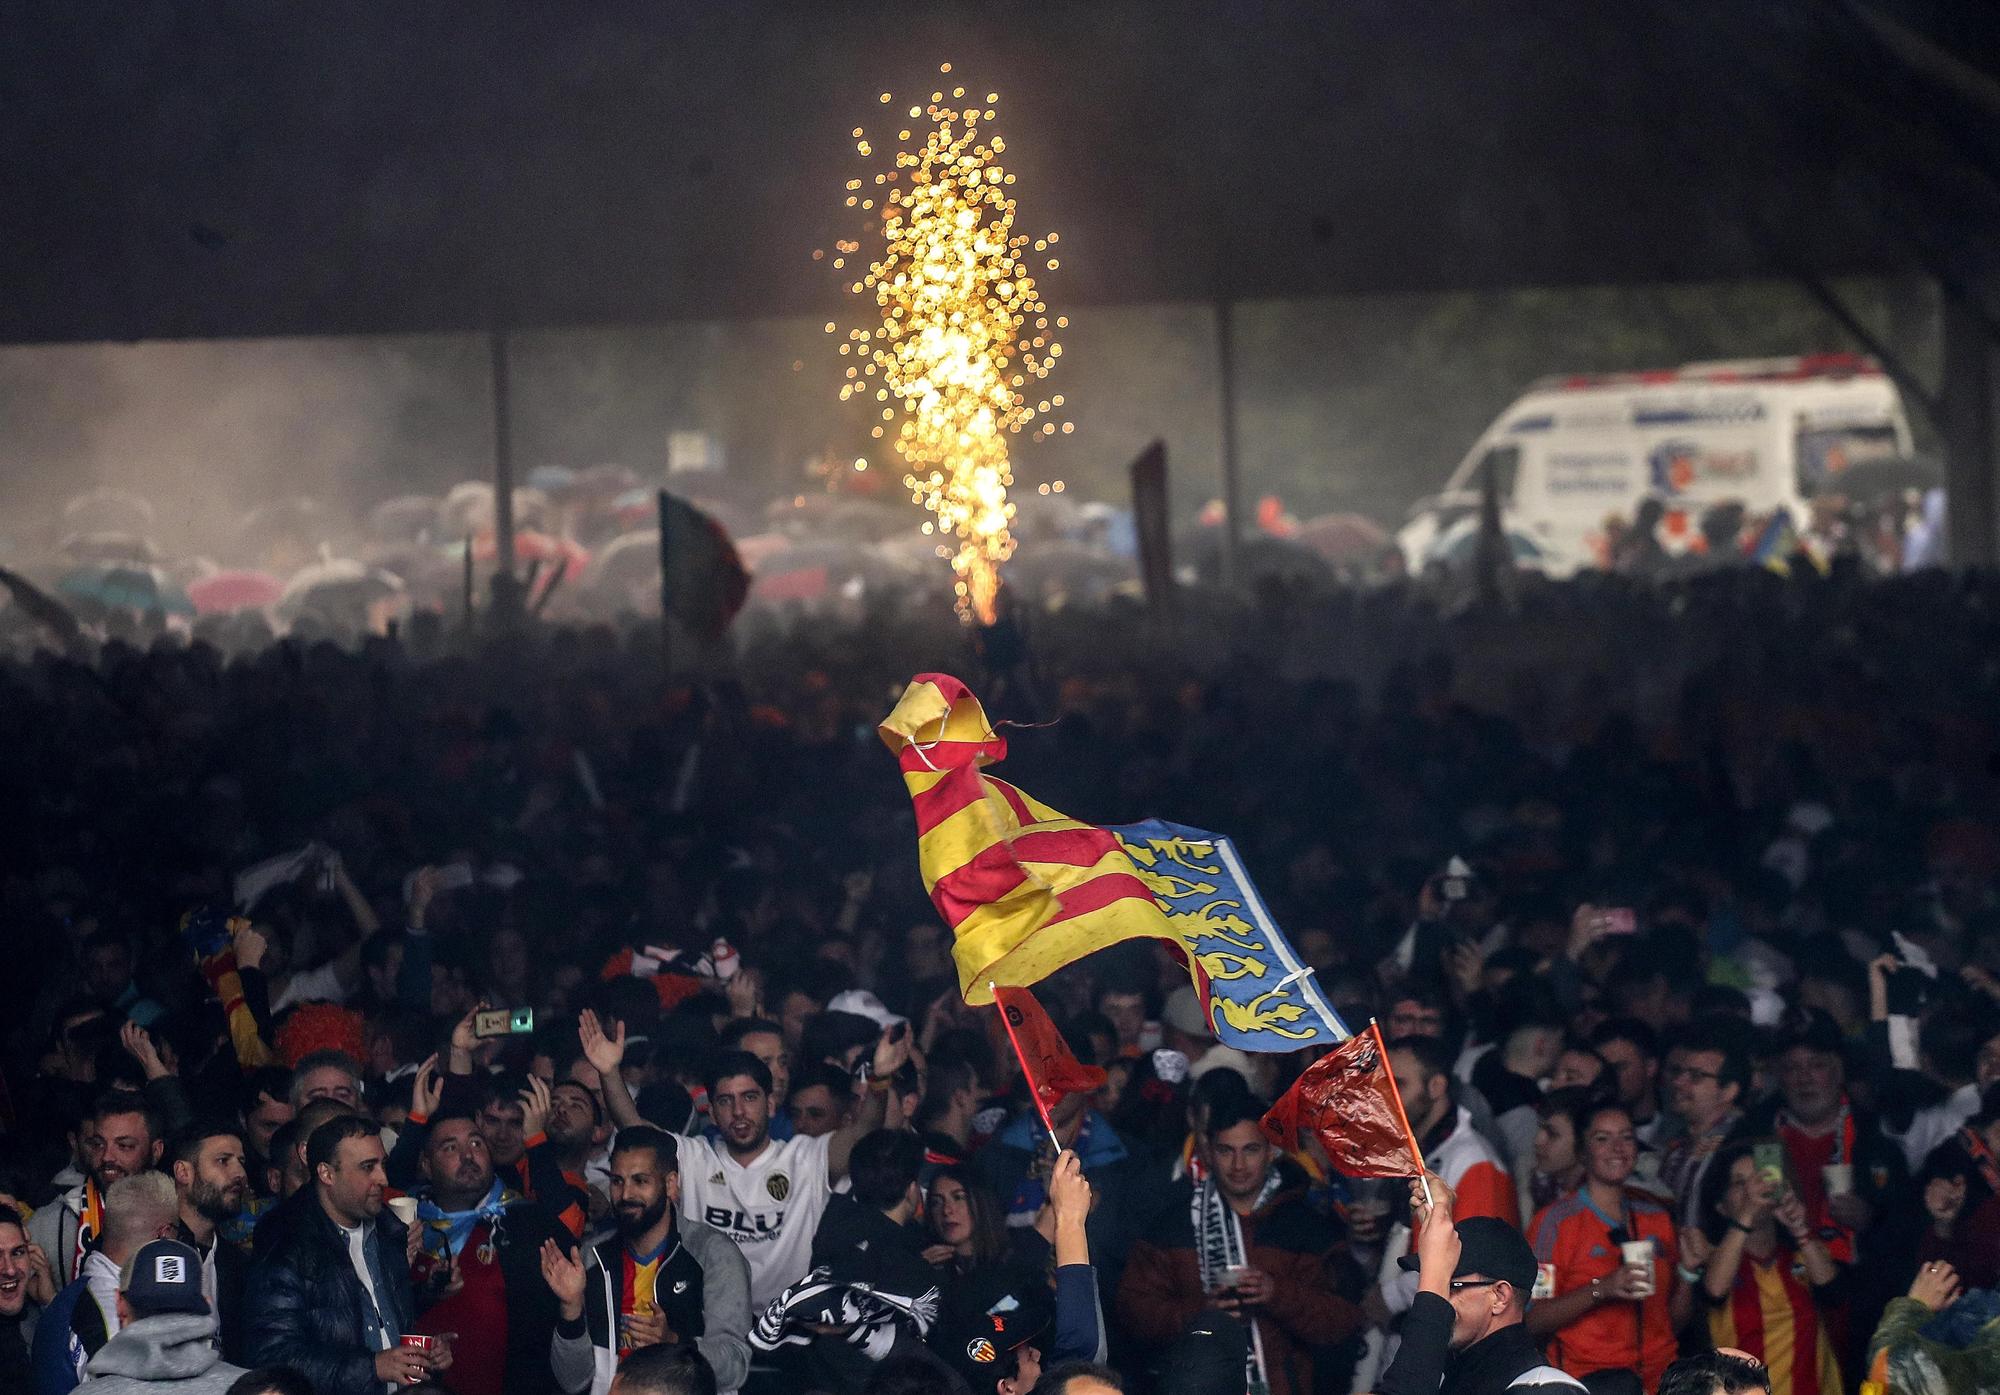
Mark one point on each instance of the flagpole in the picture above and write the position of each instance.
(1034, 1089)
(1401, 1113)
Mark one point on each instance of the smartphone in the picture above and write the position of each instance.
(1771, 1162)
(1908, 990)
(1619, 920)
(504, 1022)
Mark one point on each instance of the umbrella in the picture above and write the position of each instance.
(337, 589)
(820, 516)
(1343, 537)
(1073, 570)
(529, 546)
(636, 506)
(297, 519)
(108, 547)
(551, 479)
(1458, 545)
(125, 586)
(1257, 558)
(108, 510)
(221, 592)
(809, 571)
(608, 479)
(467, 508)
(406, 517)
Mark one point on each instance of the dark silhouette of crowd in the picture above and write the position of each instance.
(492, 1013)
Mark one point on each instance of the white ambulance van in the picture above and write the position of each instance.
(1574, 454)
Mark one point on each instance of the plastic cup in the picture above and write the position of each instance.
(404, 1208)
(1839, 1178)
(1639, 1254)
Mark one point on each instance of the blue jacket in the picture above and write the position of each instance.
(57, 1353)
(304, 1304)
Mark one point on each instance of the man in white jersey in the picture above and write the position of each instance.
(766, 1196)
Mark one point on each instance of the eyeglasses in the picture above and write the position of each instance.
(1461, 1285)
(1690, 1073)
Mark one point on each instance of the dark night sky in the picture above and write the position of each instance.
(170, 168)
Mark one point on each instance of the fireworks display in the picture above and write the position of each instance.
(958, 330)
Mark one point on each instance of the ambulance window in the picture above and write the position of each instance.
(1827, 452)
(1505, 462)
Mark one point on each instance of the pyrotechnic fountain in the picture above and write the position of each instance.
(959, 329)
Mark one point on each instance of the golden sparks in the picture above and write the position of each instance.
(951, 334)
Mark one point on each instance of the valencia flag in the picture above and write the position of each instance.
(1025, 888)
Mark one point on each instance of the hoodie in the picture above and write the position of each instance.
(171, 1354)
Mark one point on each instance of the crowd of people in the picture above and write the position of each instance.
(502, 1017)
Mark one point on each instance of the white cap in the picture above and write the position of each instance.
(862, 1003)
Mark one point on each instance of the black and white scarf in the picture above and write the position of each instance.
(1219, 1248)
(869, 1315)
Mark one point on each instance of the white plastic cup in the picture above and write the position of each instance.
(1639, 1254)
(1839, 1178)
(405, 1209)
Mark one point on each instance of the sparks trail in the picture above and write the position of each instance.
(960, 327)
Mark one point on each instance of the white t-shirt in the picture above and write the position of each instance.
(770, 1208)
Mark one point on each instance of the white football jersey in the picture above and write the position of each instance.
(770, 1208)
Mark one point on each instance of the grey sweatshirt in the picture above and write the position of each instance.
(172, 1354)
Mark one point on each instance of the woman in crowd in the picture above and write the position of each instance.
(1558, 1155)
(1607, 1257)
(1769, 1284)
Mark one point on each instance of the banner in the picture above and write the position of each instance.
(1258, 994)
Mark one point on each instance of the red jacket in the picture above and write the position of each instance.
(1301, 1250)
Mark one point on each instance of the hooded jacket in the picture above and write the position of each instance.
(171, 1354)
(584, 1355)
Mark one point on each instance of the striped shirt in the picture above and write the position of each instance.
(1770, 1313)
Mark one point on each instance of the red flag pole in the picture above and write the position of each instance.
(1401, 1113)
(1034, 1088)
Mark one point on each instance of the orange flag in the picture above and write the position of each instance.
(1348, 1100)
(1045, 1057)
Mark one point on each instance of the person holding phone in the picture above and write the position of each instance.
(1767, 1280)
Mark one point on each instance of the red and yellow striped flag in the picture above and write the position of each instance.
(1025, 888)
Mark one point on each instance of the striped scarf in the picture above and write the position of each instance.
(1219, 1247)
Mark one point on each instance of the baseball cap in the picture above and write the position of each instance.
(163, 1276)
(1491, 1248)
(1208, 1359)
(861, 1003)
(989, 1316)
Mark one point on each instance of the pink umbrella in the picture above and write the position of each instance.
(222, 592)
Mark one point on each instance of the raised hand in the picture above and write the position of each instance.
(427, 1088)
(890, 1055)
(534, 1107)
(605, 1053)
(745, 992)
(564, 1276)
(423, 890)
(41, 1283)
(139, 1046)
(465, 1036)
(1069, 1190)
(250, 947)
(1936, 1286)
